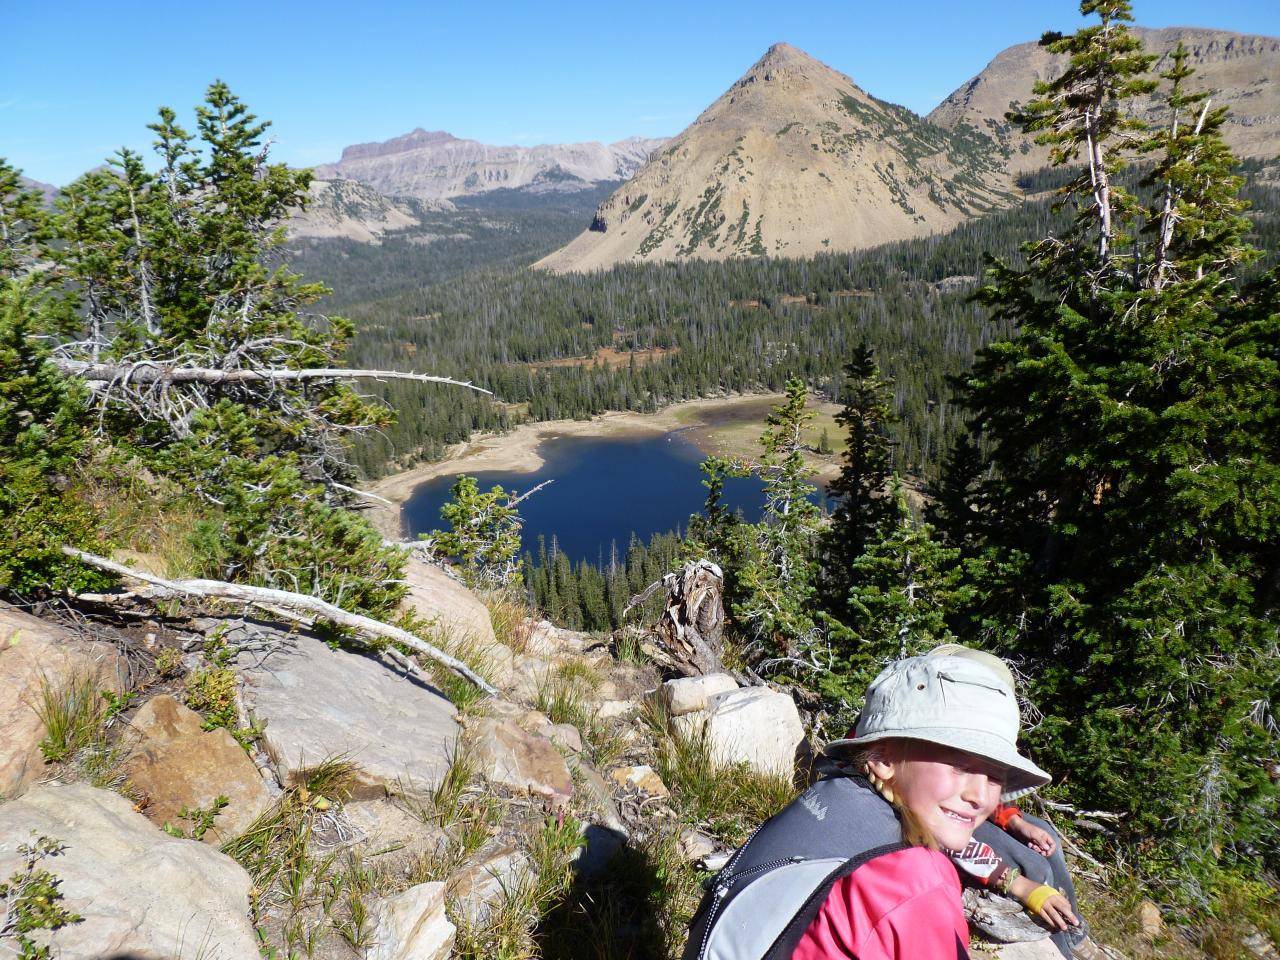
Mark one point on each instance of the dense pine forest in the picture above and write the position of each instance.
(738, 326)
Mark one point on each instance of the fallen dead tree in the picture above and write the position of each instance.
(266, 598)
(106, 375)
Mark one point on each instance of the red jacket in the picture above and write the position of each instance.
(899, 906)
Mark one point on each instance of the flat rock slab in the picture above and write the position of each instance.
(319, 703)
(143, 894)
(34, 653)
(508, 756)
(1038, 950)
(459, 614)
(175, 763)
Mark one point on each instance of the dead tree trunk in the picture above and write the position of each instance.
(692, 626)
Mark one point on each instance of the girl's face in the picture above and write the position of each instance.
(950, 791)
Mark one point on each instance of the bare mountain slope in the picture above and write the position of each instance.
(1244, 71)
(793, 159)
(351, 210)
(434, 165)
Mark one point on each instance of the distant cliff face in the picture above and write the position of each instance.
(350, 210)
(1243, 72)
(794, 159)
(434, 165)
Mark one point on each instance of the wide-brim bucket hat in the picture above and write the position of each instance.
(951, 701)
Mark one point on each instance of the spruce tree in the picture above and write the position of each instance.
(903, 588)
(1122, 539)
(775, 561)
(864, 503)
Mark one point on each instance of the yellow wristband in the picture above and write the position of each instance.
(1037, 898)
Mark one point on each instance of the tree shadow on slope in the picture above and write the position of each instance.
(633, 906)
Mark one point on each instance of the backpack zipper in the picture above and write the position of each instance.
(723, 883)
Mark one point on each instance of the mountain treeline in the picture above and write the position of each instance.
(735, 326)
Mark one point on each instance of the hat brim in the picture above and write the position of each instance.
(1023, 774)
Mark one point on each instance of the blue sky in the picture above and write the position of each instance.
(79, 79)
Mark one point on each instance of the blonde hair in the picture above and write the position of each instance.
(895, 751)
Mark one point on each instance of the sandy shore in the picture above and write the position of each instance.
(519, 450)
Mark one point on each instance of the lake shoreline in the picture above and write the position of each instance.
(518, 450)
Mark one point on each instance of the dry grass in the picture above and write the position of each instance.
(510, 616)
(728, 801)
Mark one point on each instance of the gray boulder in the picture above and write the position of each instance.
(318, 703)
(142, 894)
(412, 926)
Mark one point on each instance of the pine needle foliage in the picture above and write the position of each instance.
(1120, 535)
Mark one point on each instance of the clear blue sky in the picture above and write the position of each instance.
(79, 79)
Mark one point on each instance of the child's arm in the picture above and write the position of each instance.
(1045, 902)
(1037, 838)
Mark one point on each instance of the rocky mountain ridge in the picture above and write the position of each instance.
(437, 165)
(1243, 71)
(792, 160)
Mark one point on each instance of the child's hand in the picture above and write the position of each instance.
(1056, 911)
(1037, 838)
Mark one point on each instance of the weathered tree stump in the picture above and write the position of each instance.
(692, 625)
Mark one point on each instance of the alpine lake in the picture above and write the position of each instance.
(604, 491)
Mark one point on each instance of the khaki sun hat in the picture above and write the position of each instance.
(948, 700)
(988, 660)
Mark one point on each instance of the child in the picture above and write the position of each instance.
(852, 868)
(1033, 870)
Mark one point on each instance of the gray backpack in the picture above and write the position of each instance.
(759, 906)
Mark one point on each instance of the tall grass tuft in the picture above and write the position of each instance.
(730, 800)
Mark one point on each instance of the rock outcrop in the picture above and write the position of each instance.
(142, 894)
(456, 611)
(350, 210)
(794, 159)
(36, 655)
(412, 926)
(174, 763)
(752, 725)
(318, 703)
(509, 756)
(435, 164)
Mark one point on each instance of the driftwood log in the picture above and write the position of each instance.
(692, 625)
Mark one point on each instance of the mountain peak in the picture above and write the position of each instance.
(794, 158)
(782, 62)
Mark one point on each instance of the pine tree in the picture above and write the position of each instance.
(483, 535)
(42, 438)
(181, 268)
(864, 504)
(904, 586)
(1122, 542)
(775, 560)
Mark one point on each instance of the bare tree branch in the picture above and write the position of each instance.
(147, 371)
(266, 596)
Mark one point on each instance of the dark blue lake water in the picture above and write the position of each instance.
(605, 490)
